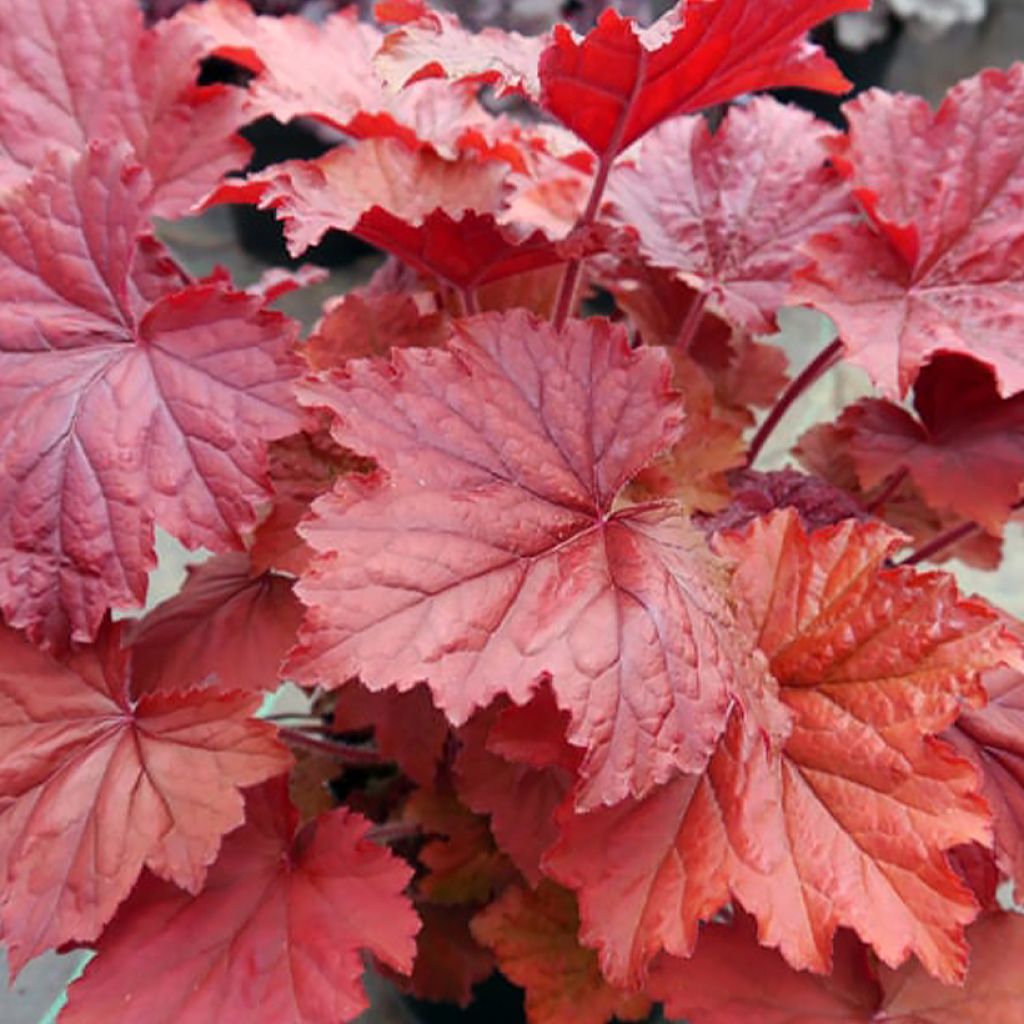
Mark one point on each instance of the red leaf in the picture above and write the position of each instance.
(357, 326)
(520, 799)
(871, 663)
(407, 727)
(848, 826)
(74, 71)
(939, 266)
(227, 627)
(302, 467)
(125, 398)
(325, 71)
(733, 980)
(492, 556)
(728, 213)
(94, 784)
(619, 81)
(274, 938)
(449, 961)
(965, 452)
(993, 993)
(993, 738)
(533, 936)
(445, 227)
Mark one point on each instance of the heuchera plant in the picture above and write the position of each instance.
(601, 704)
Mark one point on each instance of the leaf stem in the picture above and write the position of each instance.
(470, 302)
(573, 269)
(889, 487)
(345, 753)
(691, 322)
(393, 831)
(822, 362)
(952, 536)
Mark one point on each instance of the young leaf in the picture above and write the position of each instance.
(227, 627)
(964, 451)
(491, 554)
(849, 824)
(75, 71)
(533, 936)
(620, 81)
(938, 268)
(95, 783)
(728, 212)
(993, 738)
(126, 398)
(274, 937)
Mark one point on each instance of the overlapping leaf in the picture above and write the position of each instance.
(940, 265)
(849, 825)
(491, 554)
(94, 784)
(274, 938)
(533, 936)
(732, 980)
(620, 81)
(993, 738)
(75, 71)
(325, 71)
(520, 799)
(964, 450)
(447, 226)
(127, 396)
(728, 212)
(227, 627)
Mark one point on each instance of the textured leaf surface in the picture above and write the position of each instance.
(491, 554)
(940, 265)
(274, 938)
(228, 627)
(848, 826)
(728, 212)
(533, 936)
(871, 662)
(733, 980)
(74, 71)
(325, 71)
(993, 738)
(94, 784)
(964, 450)
(619, 81)
(126, 397)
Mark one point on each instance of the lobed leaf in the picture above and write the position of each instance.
(96, 782)
(275, 937)
(491, 554)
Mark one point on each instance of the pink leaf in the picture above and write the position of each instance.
(125, 398)
(492, 555)
(228, 627)
(274, 938)
(95, 783)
